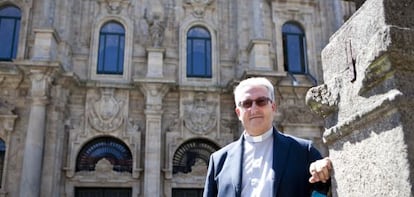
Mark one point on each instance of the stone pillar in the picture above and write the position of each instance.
(257, 20)
(259, 57)
(45, 45)
(155, 62)
(154, 93)
(367, 100)
(33, 149)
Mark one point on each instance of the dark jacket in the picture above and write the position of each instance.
(291, 160)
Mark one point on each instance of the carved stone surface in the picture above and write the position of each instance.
(156, 29)
(323, 100)
(200, 115)
(114, 6)
(199, 6)
(369, 117)
(105, 113)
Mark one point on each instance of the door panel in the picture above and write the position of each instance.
(177, 192)
(103, 192)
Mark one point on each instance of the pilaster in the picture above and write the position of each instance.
(154, 93)
(34, 146)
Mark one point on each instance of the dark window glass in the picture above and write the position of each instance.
(198, 52)
(111, 49)
(191, 152)
(9, 32)
(114, 150)
(294, 47)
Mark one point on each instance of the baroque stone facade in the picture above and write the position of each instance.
(148, 128)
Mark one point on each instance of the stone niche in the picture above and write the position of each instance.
(367, 101)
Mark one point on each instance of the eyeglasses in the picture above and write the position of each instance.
(261, 101)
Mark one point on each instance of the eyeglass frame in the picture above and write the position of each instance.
(263, 100)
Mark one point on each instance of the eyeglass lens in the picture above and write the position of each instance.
(261, 101)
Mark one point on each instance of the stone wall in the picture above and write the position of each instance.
(367, 101)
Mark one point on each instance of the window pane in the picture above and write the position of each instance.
(208, 58)
(111, 49)
(10, 11)
(291, 28)
(199, 65)
(113, 28)
(111, 149)
(198, 32)
(16, 38)
(198, 52)
(111, 53)
(6, 35)
(121, 54)
(294, 53)
(9, 32)
(101, 54)
(189, 58)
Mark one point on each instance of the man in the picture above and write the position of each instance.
(265, 162)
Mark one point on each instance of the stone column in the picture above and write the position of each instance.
(154, 93)
(33, 150)
(367, 100)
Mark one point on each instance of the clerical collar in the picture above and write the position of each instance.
(259, 138)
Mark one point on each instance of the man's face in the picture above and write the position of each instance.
(256, 119)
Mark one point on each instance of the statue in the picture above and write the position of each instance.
(156, 29)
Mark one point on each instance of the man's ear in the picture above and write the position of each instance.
(274, 106)
(237, 110)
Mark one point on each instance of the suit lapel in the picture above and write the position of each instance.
(236, 157)
(281, 152)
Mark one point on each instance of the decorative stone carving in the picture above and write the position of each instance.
(172, 124)
(156, 28)
(324, 100)
(40, 84)
(134, 126)
(105, 113)
(199, 6)
(6, 108)
(114, 6)
(7, 116)
(200, 116)
(103, 166)
(103, 172)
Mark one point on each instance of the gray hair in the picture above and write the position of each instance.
(254, 81)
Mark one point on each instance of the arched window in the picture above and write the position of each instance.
(111, 49)
(114, 150)
(294, 48)
(198, 52)
(2, 158)
(9, 32)
(190, 152)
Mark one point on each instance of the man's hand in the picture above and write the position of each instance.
(320, 170)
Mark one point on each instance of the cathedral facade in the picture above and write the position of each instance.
(130, 98)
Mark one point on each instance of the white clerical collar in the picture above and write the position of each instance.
(259, 138)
